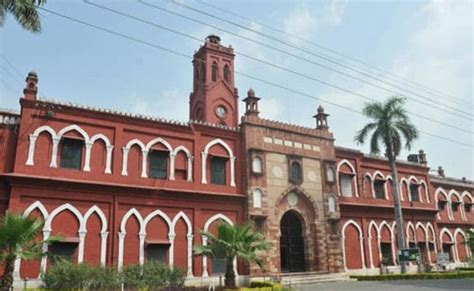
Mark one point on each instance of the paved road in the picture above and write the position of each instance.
(407, 285)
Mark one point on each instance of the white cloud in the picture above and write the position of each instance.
(164, 105)
(304, 21)
(438, 53)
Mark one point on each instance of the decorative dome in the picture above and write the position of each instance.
(320, 109)
(250, 93)
(32, 74)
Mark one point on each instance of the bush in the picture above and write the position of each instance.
(152, 275)
(420, 276)
(66, 275)
(261, 286)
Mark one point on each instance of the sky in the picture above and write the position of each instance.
(406, 43)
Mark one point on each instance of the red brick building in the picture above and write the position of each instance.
(123, 189)
(126, 189)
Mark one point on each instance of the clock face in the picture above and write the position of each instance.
(221, 111)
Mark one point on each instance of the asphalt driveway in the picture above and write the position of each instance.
(405, 285)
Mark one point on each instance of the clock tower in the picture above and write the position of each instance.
(214, 97)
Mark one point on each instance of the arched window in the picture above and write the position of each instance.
(218, 170)
(330, 174)
(379, 188)
(414, 192)
(214, 72)
(226, 73)
(257, 165)
(71, 153)
(331, 204)
(296, 172)
(203, 72)
(158, 164)
(257, 198)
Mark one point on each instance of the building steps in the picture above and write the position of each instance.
(294, 279)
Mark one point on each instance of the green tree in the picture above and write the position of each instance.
(19, 239)
(234, 241)
(24, 11)
(391, 129)
(470, 238)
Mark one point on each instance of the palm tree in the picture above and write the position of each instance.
(389, 124)
(233, 241)
(24, 11)
(19, 239)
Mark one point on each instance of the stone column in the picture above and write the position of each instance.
(144, 163)
(54, 154)
(172, 166)
(125, 161)
(31, 150)
(87, 159)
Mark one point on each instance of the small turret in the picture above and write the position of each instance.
(321, 119)
(31, 86)
(251, 103)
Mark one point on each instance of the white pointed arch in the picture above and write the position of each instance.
(100, 213)
(101, 137)
(127, 215)
(220, 142)
(158, 140)
(137, 142)
(404, 181)
(74, 127)
(361, 242)
(353, 172)
(183, 149)
(187, 221)
(123, 232)
(467, 194)
(189, 237)
(441, 191)
(452, 193)
(212, 219)
(44, 128)
(453, 242)
(61, 208)
(126, 149)
(36, 205)
(103, 232)
(382, 177)
(205, 153)
(380, 174)
(423, 227)
(189, 156)
(427, 193)
(443, 231)
(32, 142)
(412, 227)
(44, 212)
(467, 249)
(154, 214)
(372, 225)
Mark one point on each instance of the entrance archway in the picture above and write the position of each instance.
(292, 257)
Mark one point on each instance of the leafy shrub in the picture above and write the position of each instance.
(66, 275)
(420, 276)
(153, 276)
(261, 286)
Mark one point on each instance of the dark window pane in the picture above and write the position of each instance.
(454, 206)
(214, 72)
(71, 153)
(158, 161)
(218, 266)
(62, 250)
(226, 73)
(218, 175)
(379, 188)
(441, 205)
(414, 193)
(386, 249)
(295, 171)
(157, 252)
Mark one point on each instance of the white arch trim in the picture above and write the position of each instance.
(468, 251)
(361, 242)
(212, 219)
(454, 248)
(354, 177)
(441, 191)
(56, 138)
(372, 225)
(189, 237)
(427, 194)
(103, 232)
(205, 153)
(123, 232)
(173, 154)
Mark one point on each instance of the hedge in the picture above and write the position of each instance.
(420, 276)
(465, 269)
(260, 286)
